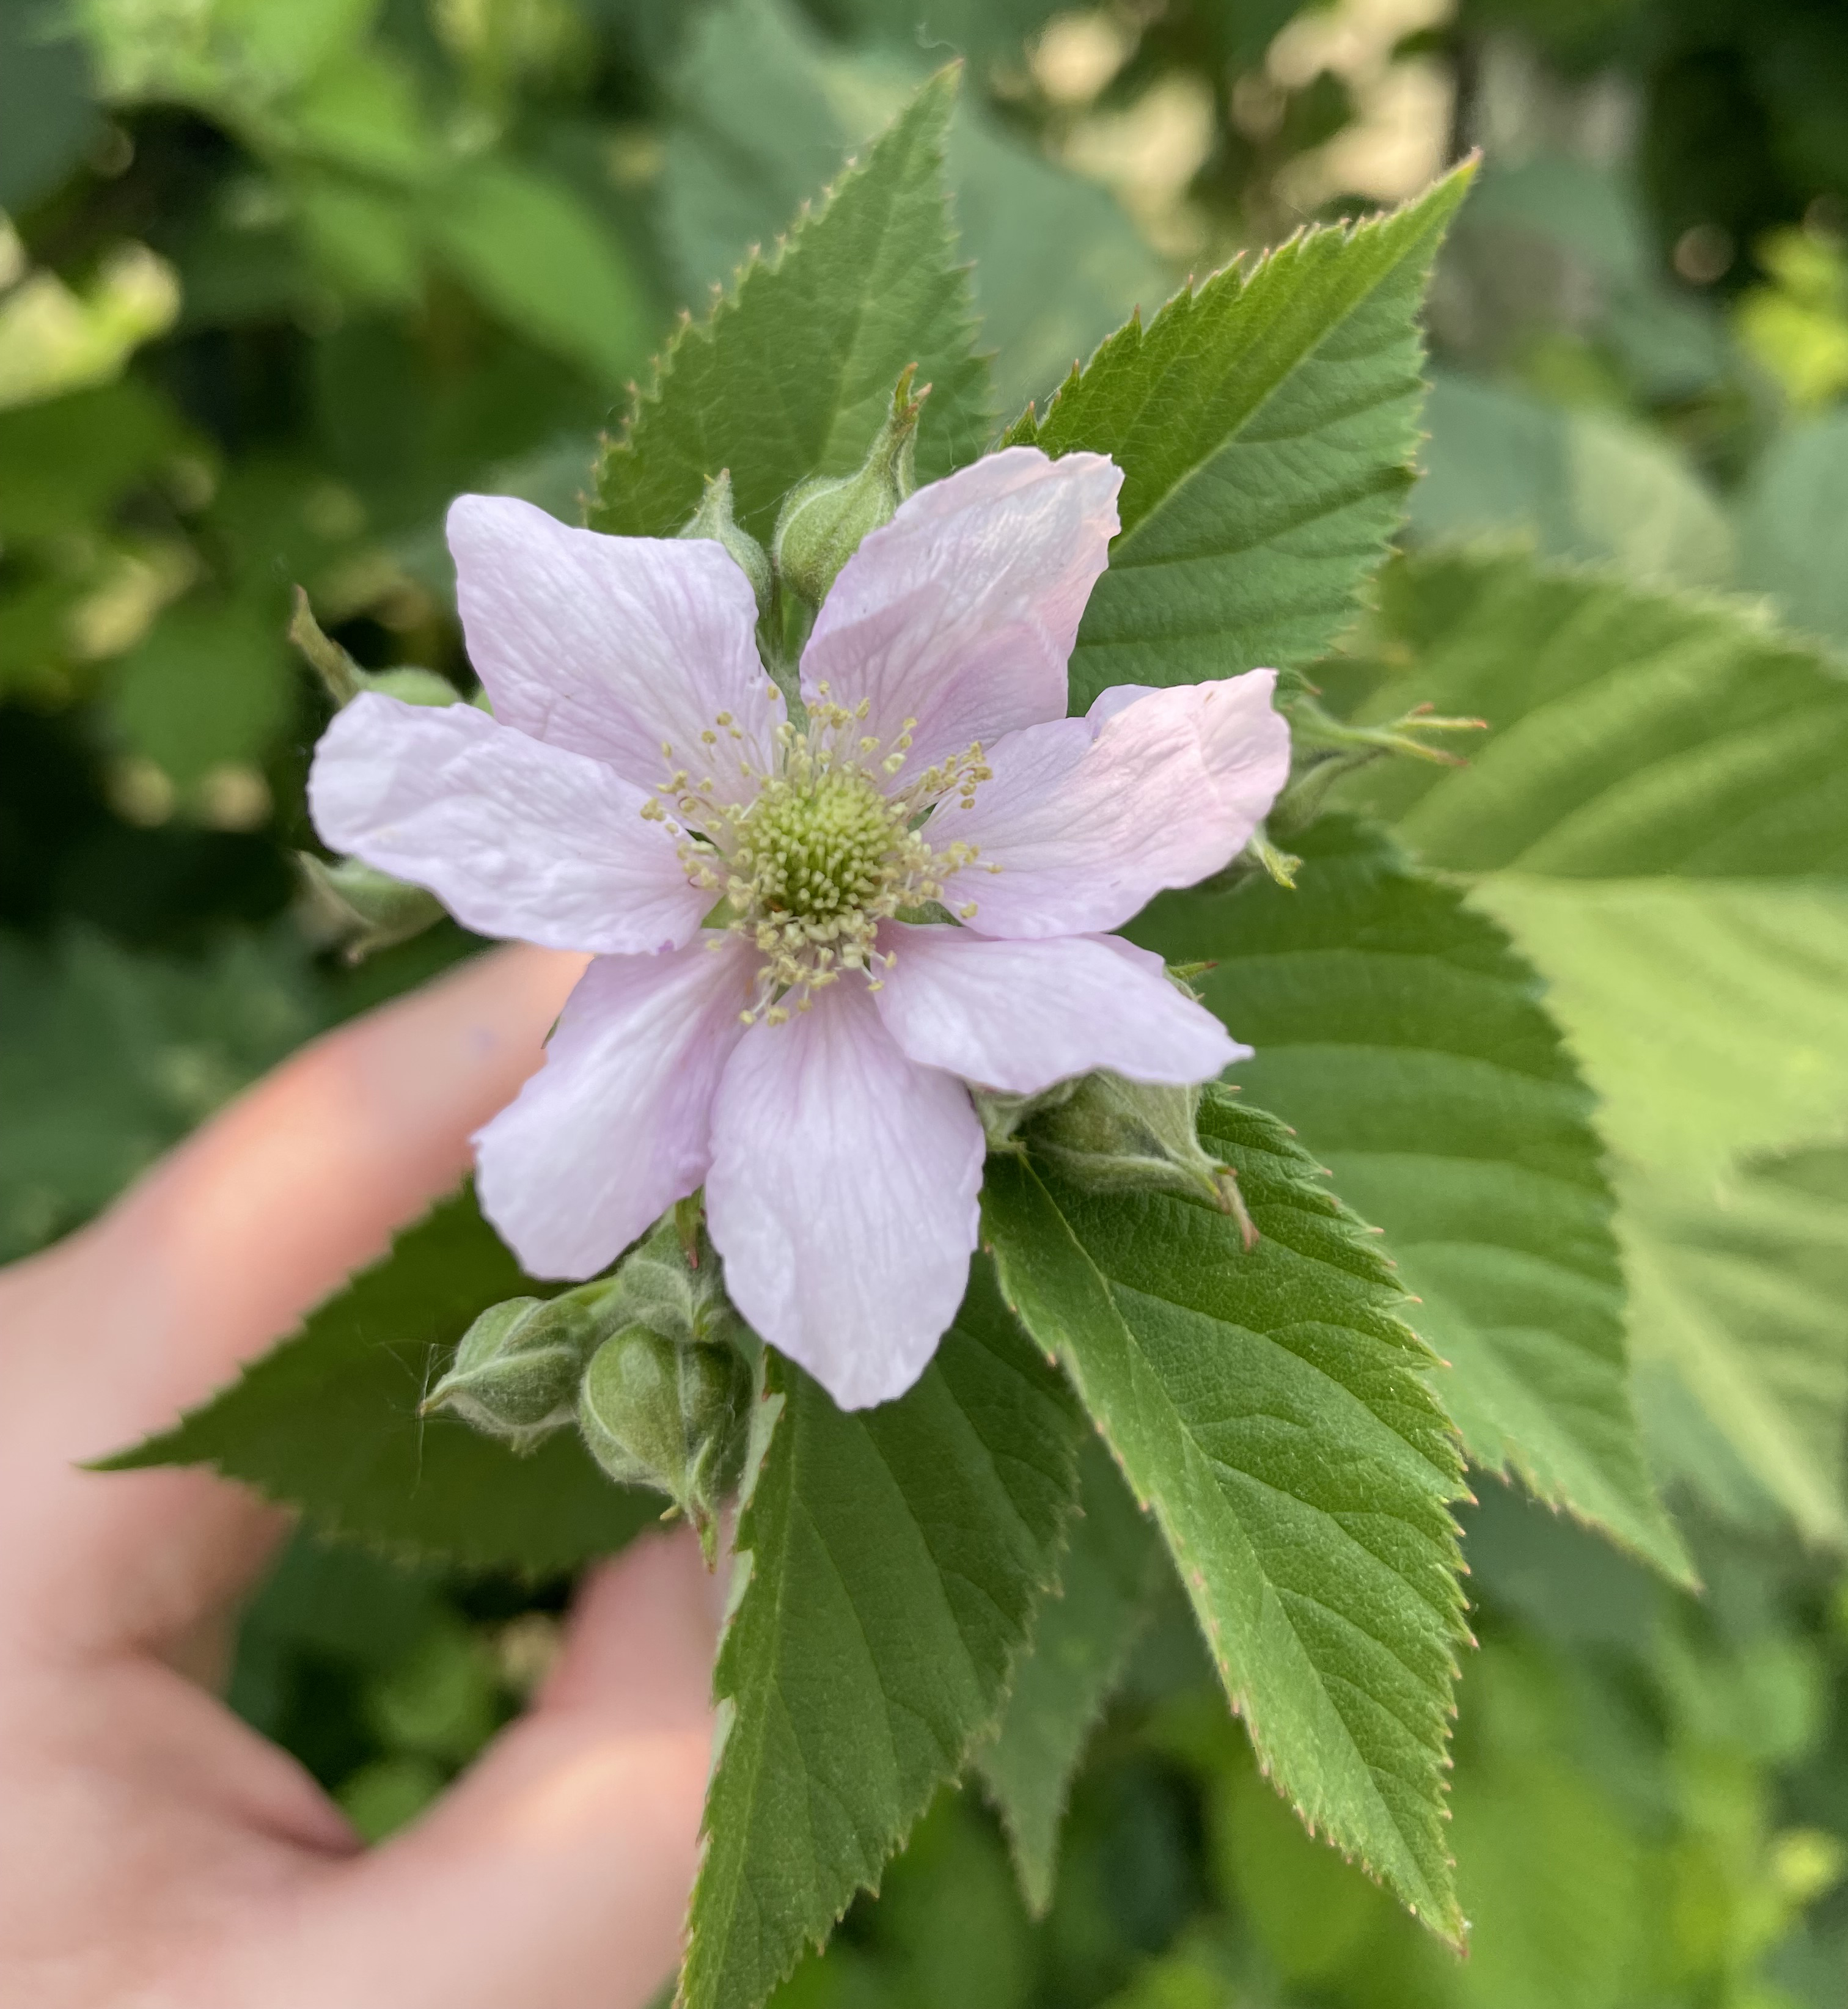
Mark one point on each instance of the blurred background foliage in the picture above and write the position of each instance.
(278, 278)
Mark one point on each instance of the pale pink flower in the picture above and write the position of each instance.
(805, 1052)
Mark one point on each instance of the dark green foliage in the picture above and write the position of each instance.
(896, 1557)
(1267, 1406)
(1401, 1036)
(328, 1422)
(792, 374)
(1265, 426)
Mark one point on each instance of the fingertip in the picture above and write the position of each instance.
(642, 1631)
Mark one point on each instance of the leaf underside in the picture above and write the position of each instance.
(895, 1558)
(1265, 424)
(328, 1421)
(791, 373)
(1087, 1626)
(1632, 733)
(1272, 1409)
(1400, 1034)
(1743, 1337)
(1656, 817)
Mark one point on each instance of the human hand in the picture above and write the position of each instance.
(154, 1852)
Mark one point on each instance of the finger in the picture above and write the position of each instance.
(214, 1256)
(555, 1874)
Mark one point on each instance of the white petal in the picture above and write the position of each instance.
(1020, 1015)
(843, 1195)
(514, 837)
(1085, 830)
(617, 1125)
(961, 612)
(608, 645)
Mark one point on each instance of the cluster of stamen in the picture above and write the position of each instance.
(827, 846)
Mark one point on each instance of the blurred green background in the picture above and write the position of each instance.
(278, 278)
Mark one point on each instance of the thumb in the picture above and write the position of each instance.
(555, 1874)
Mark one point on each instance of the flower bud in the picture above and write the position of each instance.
(515, 1373)
(1114, 1135)
(362, 909)
(344, 678)
(673, 1284)
(824, 519)
(673, 1418)
(714, 519)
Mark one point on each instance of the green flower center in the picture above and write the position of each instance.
(831, 843)
(819, 848)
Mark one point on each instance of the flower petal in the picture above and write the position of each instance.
(1020, 1015)
(617, 1125)
(843, 1195)
(608, 645)
(514, 837)
(962, 610)
(1086, 830)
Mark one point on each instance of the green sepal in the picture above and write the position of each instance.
(714, 520)
(342, 678)
(352, 906)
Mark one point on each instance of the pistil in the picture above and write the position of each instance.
(826, 845)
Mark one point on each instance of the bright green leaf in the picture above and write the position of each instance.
(1630, 732)
(1741, 1316)
(1708, 1015)
(1081, 1642)
(1266, 425)
(1399, 1033)
(791, 372)
(328, 1421)
(892, 1560)
(1271, 1407)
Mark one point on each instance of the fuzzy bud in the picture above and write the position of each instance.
(352, 904)
(714, 519)
(515, 1373)
(671, 1417)
(1114, 1135)
(673, 1284)
(824, 519)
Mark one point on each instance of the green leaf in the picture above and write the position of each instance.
(765, 108)
(1632, 733)
(107, 1057)
(892, 1560)
(1706, 1014)
(328, 1421)
(1399, 1033)
(1709, 1017)
(65, 463)
(1584, 484)
(1081, 1643)
(1655, 818)
(1271, 1407)
(791, 373)
(1740, 1312)
(1793, 527)
(212, 683)
(539, 258)
(1265, 426)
